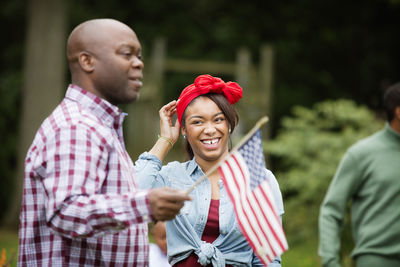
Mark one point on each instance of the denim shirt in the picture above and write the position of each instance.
(185, 231)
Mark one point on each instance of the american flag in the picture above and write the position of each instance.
(243, 173)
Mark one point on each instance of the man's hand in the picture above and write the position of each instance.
(165, 203)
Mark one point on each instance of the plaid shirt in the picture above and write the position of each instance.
(80, 203)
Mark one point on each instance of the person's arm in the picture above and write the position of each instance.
(333, 210)
(75, 167)
(169, 131)
(148, 167)
(76, 162)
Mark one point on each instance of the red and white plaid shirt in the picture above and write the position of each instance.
(80, 204)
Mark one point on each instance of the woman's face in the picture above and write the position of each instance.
(206, 129)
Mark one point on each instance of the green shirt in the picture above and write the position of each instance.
(369, 177)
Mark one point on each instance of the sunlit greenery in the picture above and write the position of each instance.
(305, 155)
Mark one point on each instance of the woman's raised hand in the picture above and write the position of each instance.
(168, 129)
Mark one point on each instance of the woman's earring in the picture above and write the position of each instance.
(184, 136)
(230, 130)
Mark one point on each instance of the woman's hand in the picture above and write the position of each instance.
(167, 128)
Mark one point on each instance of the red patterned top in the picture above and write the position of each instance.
(211, 232)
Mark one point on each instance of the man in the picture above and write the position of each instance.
(80, 204)
(368, 176)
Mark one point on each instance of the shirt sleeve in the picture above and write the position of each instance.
(149, 172)
(279, 206)
(77, 173)
(333, 210)
(275, 263)
(276, 192)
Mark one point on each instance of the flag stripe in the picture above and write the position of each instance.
(239, 204)
(244, 224)
(252, 199)
(279, 235)
(245, 208)
(271, 224)
(256, 210)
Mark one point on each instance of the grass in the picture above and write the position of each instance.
(9, 243)
(301, 254)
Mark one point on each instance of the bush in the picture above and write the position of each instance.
(305, 155)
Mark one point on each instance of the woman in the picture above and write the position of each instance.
(206, 232)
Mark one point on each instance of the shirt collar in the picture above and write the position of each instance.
(104, 110)
(392, 132)
(192, 166)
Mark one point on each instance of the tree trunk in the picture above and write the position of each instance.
(44, 81)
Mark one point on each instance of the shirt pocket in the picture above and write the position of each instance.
(179, 183)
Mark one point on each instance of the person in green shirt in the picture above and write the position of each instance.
(369, 177)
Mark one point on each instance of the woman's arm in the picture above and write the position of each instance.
(169, 132)
(149, 164)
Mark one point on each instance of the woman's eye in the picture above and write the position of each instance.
(219, 119)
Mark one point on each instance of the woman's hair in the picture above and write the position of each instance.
(391, 100)
(227, 109)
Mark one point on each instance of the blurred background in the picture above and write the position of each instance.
(318, 69)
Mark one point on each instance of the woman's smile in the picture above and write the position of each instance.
(211, 143)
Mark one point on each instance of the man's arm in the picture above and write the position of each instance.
(77, 165)
(333, 210)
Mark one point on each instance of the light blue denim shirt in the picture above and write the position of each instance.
(185, 231)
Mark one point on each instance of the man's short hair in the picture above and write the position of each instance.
(391, 100)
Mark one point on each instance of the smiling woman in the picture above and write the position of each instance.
(206, 232)
(207, 128)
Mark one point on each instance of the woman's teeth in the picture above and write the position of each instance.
(210, 142)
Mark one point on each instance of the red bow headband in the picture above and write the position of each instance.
(205, 84)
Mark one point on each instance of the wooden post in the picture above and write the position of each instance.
(142, 125)
(143, 122)
(242, 70)
(242, 77)
(266, 79)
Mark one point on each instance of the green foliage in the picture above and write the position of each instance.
(306, 153)
(10, 96)
(317, 55)
(9, 244)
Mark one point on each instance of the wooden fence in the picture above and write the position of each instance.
(142, 125)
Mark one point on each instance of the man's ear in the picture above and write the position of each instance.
(86, 61)
(397, 112)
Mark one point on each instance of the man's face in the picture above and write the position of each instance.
(117, 76)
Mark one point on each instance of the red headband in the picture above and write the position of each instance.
(205, 84)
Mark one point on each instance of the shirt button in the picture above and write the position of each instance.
(145, 217)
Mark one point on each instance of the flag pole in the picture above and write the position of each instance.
(258, 125)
